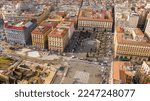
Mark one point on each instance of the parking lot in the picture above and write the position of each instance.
(105, 52)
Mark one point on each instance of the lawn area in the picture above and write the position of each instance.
(5, 62)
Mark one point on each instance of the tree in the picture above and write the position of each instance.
(121, 58)
(87, 55)
(91, 50)
(125, 58)
(61, 68)
(93, 55)
(38, 68)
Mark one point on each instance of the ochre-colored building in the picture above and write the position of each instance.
(39, 34)
(90, 20)
(131, 44)
(68, 25)
(58, 39)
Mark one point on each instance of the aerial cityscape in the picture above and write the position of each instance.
(75, 42)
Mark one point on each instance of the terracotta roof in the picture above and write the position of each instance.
(40, 30)
(44, 26)
(120, 71)
(49, 23)
(116, 69)
(119, 29)
(129, 73)
(58, 32)
(16, 25)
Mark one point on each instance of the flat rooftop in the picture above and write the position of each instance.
(40, 30)
(55, 17)
(127, 37)
(44, 26)
(49, 23)
(58, 32)
(18, 24)
(66, 24)
(89, 14)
